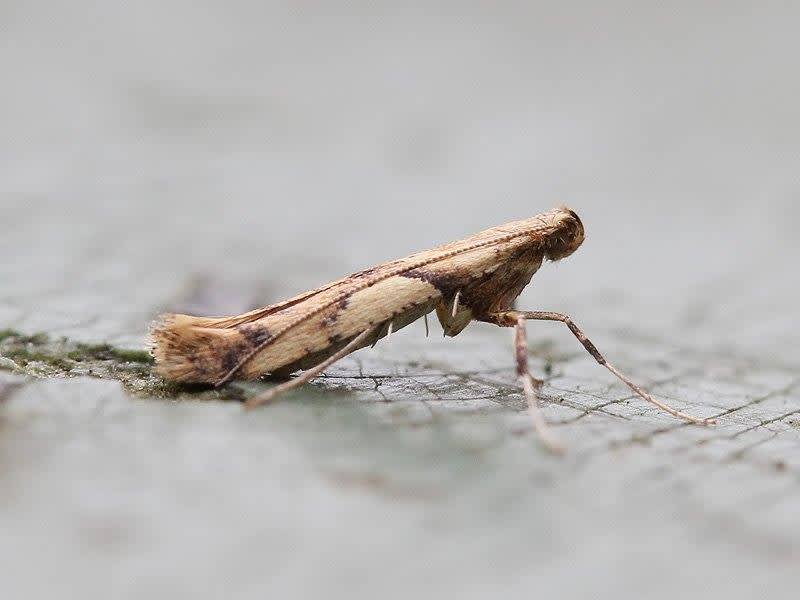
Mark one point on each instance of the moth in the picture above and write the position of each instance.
(474, 279)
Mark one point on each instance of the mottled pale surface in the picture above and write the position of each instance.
(214, 157)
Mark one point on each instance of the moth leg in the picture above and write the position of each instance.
(531, 387)
(311, 373)
(455, 304)
(508, 318)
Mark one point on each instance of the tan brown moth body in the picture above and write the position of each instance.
(474, 279)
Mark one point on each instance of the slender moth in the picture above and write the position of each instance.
(474, 279)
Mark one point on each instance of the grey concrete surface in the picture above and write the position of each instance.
(212, 157)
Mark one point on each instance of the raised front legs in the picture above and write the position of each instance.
(514, 318)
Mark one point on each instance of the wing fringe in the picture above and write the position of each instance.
(192, 349)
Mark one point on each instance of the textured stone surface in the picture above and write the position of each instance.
(215, 157)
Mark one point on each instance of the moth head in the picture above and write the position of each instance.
(566, 236)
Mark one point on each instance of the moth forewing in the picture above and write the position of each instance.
(337, 324)
(477, 278)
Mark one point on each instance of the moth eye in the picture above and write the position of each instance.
(575, 216)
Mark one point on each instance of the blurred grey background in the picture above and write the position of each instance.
(214, 156)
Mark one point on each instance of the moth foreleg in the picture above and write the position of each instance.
(511, 317)
(308, 375)
(531, 387)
